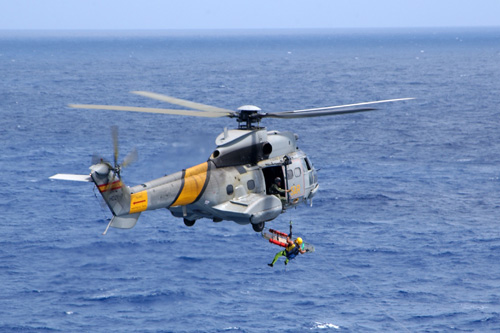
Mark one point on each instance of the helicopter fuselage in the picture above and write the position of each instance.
(234, 184)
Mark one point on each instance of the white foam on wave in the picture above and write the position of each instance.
(324, 326)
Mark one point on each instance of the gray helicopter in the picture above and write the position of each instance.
(236, 181)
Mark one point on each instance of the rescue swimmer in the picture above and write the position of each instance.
(293, 248)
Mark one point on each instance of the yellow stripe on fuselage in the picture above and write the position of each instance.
(194, 181)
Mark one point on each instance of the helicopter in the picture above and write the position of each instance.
(233, 184)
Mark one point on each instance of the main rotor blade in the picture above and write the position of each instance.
(182, 102)
(329, 110)
(151, 110)
(320, 113)
(356, 104)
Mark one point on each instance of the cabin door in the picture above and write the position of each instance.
(295, 179)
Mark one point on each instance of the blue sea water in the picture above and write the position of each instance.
(405, 224)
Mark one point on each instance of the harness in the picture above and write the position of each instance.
(293, 251)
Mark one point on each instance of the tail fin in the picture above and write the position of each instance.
(115, 194)
(123, 222)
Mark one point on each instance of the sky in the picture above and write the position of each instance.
(244, 14)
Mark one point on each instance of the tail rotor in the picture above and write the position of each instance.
(107, 177)
(129, 159)
(103, 166)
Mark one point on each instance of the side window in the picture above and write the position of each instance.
(251, 184)
(297, 172)
(289, 174)
(229, 189)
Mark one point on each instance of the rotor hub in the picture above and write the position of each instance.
(248, 115)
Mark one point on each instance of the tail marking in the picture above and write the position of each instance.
(138, 202)
(117, 184)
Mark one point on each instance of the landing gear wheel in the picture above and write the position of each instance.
(259, 226)
(189, 223)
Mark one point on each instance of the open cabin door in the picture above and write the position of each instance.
(270, 174)
(293, 181)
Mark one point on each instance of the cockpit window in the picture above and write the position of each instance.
(308, 164)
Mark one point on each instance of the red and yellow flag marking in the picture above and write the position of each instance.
(110, 187)
(194, 181)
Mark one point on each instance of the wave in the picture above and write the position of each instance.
(139, 297)
(324, 325)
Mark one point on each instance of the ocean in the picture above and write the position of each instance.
(405, 224)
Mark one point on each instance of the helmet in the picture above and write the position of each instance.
(299, 240)
(277, 180)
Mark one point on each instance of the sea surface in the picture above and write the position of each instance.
(405, 225)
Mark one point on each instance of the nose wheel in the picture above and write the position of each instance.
(259, 226)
